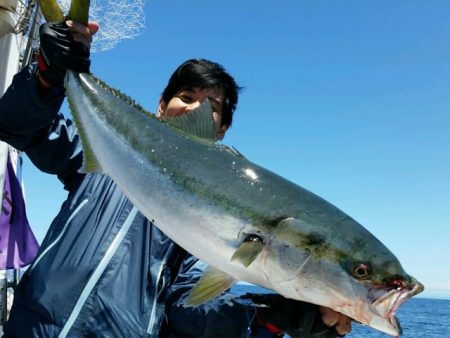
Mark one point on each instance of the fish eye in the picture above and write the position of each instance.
(361, 271)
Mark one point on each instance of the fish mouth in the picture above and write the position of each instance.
(386, 299)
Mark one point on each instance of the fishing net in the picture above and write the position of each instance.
(118, 19)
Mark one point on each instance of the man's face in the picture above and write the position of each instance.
(188, 100)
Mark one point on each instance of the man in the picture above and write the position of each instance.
(103, 270)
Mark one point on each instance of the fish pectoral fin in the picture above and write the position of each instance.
(249, 249)
(198, 122)
(211, 284)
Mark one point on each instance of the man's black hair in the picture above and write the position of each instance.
(201, 73)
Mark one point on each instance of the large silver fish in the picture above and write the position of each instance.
(246, 222)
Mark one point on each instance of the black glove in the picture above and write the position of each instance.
(59, 52)
(297, 319)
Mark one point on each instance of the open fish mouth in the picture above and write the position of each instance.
(388, 298)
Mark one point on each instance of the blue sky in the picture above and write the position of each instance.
(349, 99)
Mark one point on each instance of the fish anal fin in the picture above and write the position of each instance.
(90, 162)
(211, 284)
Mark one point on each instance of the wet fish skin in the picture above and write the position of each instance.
(243, 220)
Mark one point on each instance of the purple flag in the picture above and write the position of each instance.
(18, 246)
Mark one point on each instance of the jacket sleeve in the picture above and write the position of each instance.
(219, 317)
(30, 122)
(235, 314)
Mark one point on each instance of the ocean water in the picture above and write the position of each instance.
(419, 317)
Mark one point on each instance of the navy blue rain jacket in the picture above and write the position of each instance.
(103, 269)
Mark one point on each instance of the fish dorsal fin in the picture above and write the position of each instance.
(249, 249)
(198, 122)
(212, 283)
(232, 150)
